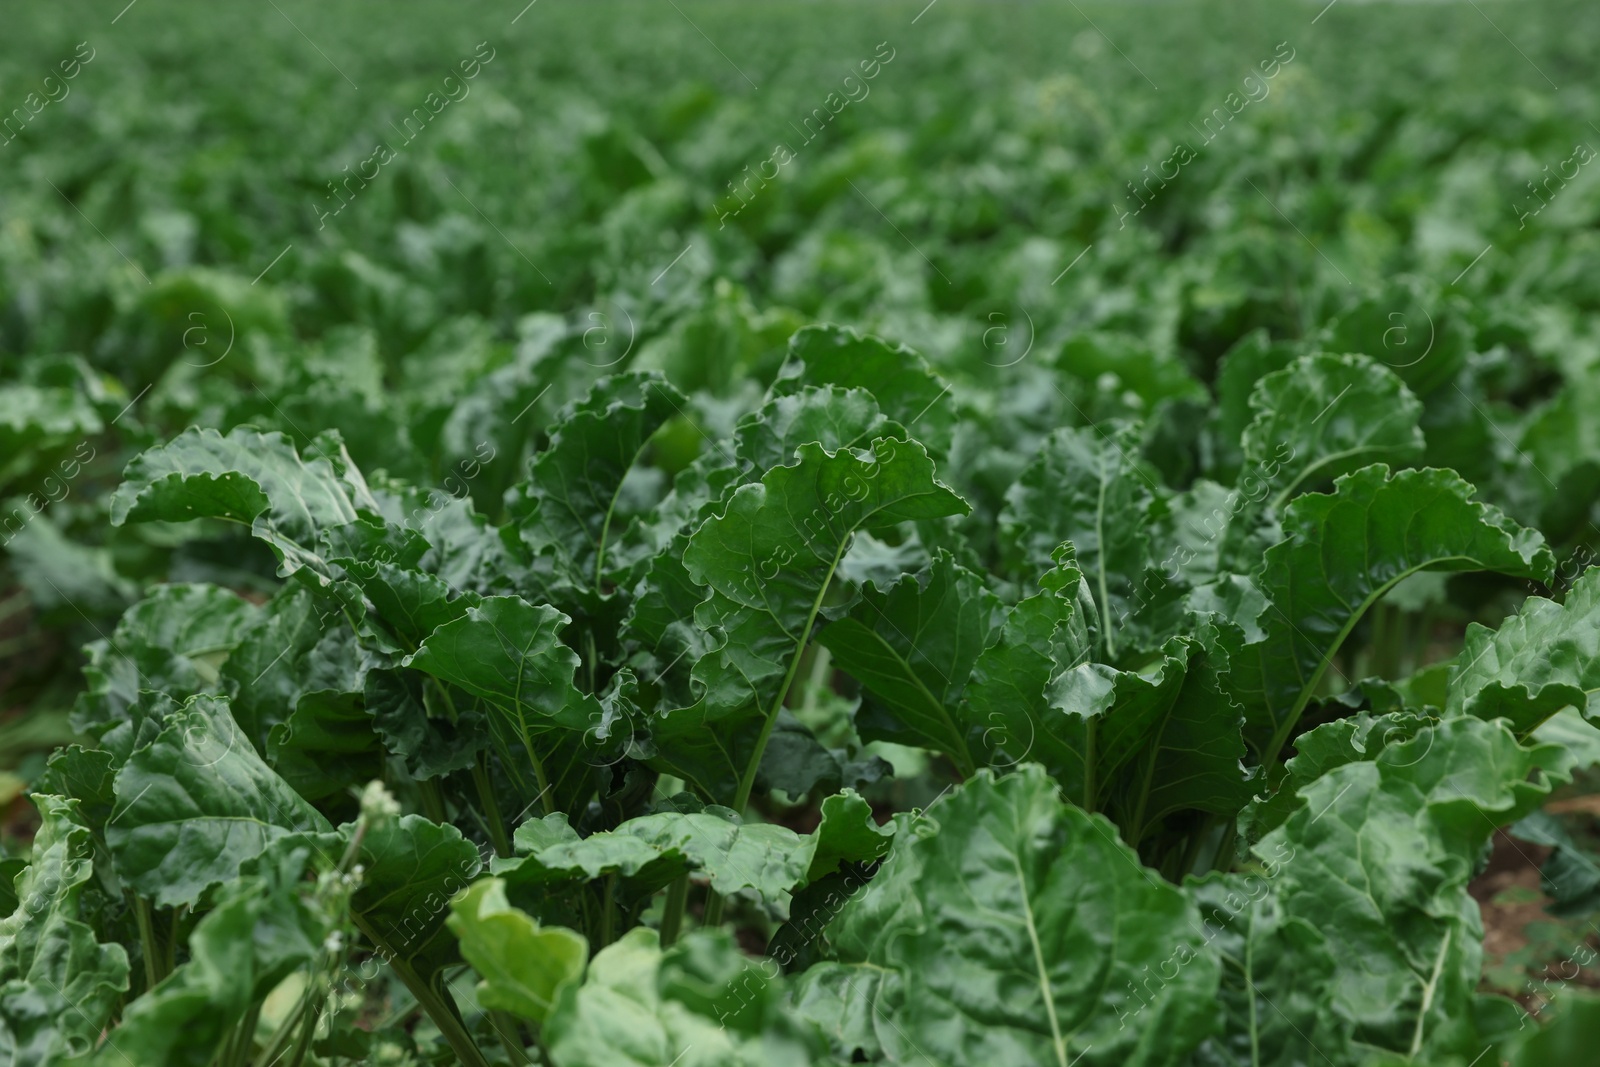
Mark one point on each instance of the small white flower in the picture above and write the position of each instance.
(378, 805)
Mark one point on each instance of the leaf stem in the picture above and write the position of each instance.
(672, 913)
(242, 1039)
(1307, 690)
(432, 800)
(439, 1008)
(505, 1027)
(308, 1029)
(154, 955)
(1100, 569)
(747, 781)
(1136, 827)
(491, 807)
(1090, 786)
(273, 1050)
(592, 659)
(1230, 836)
(608, 911)
(171, 962)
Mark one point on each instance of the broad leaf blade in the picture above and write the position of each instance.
(523, 965)
(1005, 928)
(1086, 486)
(249, 477)
(1540, 660)
(58, 984)
(913, 647)
(196, 804)
(1342, 552)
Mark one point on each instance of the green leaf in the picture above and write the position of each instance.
(327, 743)
(174, 641)
(508, 652)
(258, 935)
(770, 559)
(846, 833)
(427, 739)
(1324, 416)
(830, 416)
(523, 965)
(1539, 661)
(1341, 553)
(85, 775)
(58, 984)
(266, 673)
(413, 867)
(900, 379)
(297, 692)
(1352, 739)
(1009, 928)
(568, 506)
(1567, 1039)
(913, 647)
(1045, 634)
(1085, 486)
(649, 851)
(1190, 757)
(1252, 358)
(1146, 744)
(1132, 366)
(63, 574)
(698, 1004)
(195, 804)
(248, 477)
(405, 605)
(10, 868)
(1103, 718)
(1275, 975)
(1382, 852)
(35, 419)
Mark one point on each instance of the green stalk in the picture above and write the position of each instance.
(608, 912)
(491, 807)
(505, 1027)
(154, 955)
(171, 961)
(1224, 857)
(747, 781)
(274, 1049)
(1135, 829)
(527, 743)
(308, 1029)
(591, 660)
(242, 1039)
(713, 916)
(1090, 787)
(672, 913)
(438, 1007)
(432, 800)
(1106, 639)
(1191, 848)
(1281, 736)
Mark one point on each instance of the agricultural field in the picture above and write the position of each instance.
(686, 534)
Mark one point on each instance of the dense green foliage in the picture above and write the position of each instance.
(793, 534)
